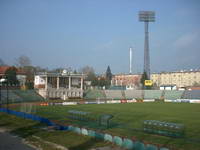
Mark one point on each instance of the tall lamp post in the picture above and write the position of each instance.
(146, 17)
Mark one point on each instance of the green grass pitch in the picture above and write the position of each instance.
(130, 116)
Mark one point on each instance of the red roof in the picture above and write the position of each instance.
(194, 88)
(4, 68)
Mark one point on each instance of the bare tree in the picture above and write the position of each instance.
(86, 70)
(23, 61)
(2, 62)
(89, 71)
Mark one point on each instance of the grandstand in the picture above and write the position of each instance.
(173, 95)
(20, 96)
(117, 88)
(193, 94)
(95, 94)
(130, 94)
(142, 94)
(11, 96)
(114, 94)
(152, 94)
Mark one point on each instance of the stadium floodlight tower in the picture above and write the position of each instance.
(146, 17)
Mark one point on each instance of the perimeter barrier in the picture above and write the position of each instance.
(123, 142)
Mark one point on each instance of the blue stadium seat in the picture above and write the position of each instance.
(151, 147)
(84, 131)
(138, 146)
(163, 148)
(77, 130)
(91, 133)
(99, 135)
(117, 140)
(108, 137)
(127, 143)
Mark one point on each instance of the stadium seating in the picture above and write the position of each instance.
(117, 88)
(15, 96)
(84, 131)
(139, 145)
(28, 95)
(118, 140)
(193, 94)
(12, 97)
(108, 137)
(114, 94)
(151, 147)
(127, 143)
(152, 94)
(99, 135)
(91, 133)
(173, 95)
(77, 130)
(130, 94)
(94, 94)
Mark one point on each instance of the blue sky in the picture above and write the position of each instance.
(98, 33)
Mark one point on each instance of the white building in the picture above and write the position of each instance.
(59, 85)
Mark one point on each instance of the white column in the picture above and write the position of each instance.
(116, 83)
(69, 83)
(81, 83)
(58, 80)
(46, 83)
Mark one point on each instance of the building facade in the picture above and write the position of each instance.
(20, 74)
(59, 85)
(131, 81)
(179, 78)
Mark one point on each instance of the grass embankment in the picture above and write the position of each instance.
(131, 117)
(29, 130)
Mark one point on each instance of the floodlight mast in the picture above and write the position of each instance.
(146, 17)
